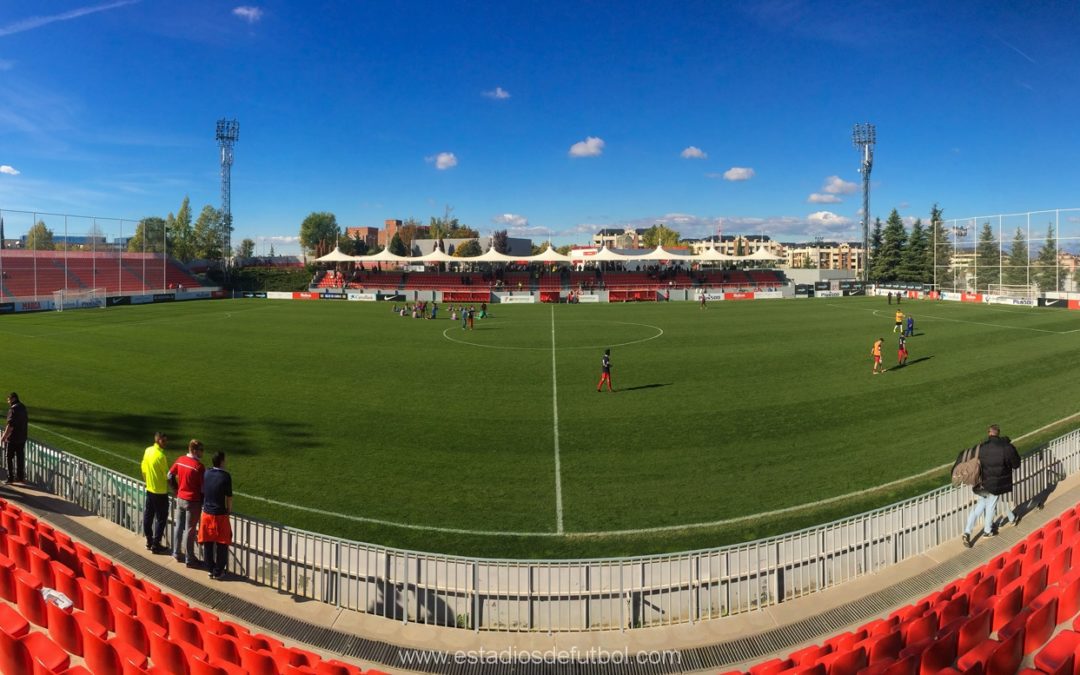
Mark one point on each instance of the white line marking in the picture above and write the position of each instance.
(555, 426)
(562, 533)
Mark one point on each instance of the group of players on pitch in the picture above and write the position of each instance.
(906, 330)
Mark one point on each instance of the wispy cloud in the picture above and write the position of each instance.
(9, 170)
(1016, 49)
(247, 13)
(819, 198)
(590, 147)
(497, 93)
(835, 185)
(33, 22)
(512, 220)
(694, 153)
(738, 173)
(443, 160)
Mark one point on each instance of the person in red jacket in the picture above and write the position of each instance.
(186, 476)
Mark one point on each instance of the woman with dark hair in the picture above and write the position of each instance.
(215, 530)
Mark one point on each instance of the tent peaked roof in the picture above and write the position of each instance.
(383, 256)
(491, 255)
(437, 256)
(762, 254)
(549, 255)
(606, 254)
(337, 256)
(660, 254)
(712, 255)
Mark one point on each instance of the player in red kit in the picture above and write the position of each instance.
(605, 371)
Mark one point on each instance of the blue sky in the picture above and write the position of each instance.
(551, 118)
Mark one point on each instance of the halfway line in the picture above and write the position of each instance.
(555, 425)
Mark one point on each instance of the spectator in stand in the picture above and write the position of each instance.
(215, 530)
(998, 458)
(155, 470)
(14, 439)
(186, 476)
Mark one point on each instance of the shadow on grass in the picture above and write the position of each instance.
(240, 435)
(912, 363)
(646, 386)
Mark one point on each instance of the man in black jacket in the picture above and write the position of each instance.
(14, 439)
(997, 460)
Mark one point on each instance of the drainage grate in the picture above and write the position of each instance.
(741, 650)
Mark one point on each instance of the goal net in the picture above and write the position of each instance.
(78, 298)
(1021, 294)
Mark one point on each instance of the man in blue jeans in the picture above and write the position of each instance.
(998, 458)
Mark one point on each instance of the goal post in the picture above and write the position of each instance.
(1022, 294)
(78, 298)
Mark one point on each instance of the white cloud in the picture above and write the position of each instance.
(497, 93)
(818, 198)
(835, 185)
(248, 13)
(737, 173)
(38, 21)
(443, 160)
(9, 170)
(590, 147)
(828, 220)
(694, 153)
(511, 220)
(281, 239)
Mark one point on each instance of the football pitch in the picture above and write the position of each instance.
(734, 422)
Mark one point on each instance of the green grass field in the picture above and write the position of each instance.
(407, 432)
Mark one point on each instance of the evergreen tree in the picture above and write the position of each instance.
(987, 259)
(1046, 265)
(893, 241)
(913, 264)
(396, 246)
(875, 249)
(939, 250)
(1016, 270)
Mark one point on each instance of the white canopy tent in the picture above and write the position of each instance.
(382, 256)
(337, 256)
(762, 254)
(436, 256)
(660, 254)
(490, 255)
(548, 255)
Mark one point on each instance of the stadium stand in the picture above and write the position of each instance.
(30, 273)
(987, 622)
(118, 623)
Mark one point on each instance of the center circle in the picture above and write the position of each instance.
(570, 335)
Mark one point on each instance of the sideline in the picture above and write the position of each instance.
(885, 314)
(592, 535)
(555, 424)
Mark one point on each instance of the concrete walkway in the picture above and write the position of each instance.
(718, 645)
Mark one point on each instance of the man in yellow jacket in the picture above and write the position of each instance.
(155, 470)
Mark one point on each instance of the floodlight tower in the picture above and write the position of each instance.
(864, 136)
(228, 132)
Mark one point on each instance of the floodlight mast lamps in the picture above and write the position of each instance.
(228, 132)
(864, 136)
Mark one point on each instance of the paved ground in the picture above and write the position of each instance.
(709, 646)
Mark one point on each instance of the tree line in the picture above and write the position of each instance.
(899, 255)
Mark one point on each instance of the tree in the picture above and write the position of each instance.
(469, 249)
(987, 258)
(246, 249)
(1046, 267)
(40, 238)
(396, 247)
(913, 264)
(660, 235)
(500, 241)
(939, 251)
(564, 250)
(875, 249)
(1016, 270)
(319, 233)
(206, 235)
(149, 237)
(893, 241)
(271, 250)
(182, 235)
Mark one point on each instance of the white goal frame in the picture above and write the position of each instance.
(1027, 292)
(67, 298)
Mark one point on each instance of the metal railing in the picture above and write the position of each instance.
(566, 595)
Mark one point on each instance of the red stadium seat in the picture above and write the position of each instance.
(169, 655)
(973, 632)
(845, 662)
(19, 552)
(808, 655)
(7, 579)
(64, 580)
(1059, 565)
(119, 592)
(28, 593)
(199, 666)
(182, 630)
(11, 622)
(258, 662)
(130, 630)
(772, 666)
(89, 570)
(95, 604)
(996, 657)
(14, 656)
(149, 611)
(334, 667)
(46, 655)
(1006, 604)
(1034, 583)
(1058, 657)
(63, 629)
(222, 647)
(40, 567)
